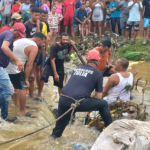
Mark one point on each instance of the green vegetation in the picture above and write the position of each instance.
(135, 52)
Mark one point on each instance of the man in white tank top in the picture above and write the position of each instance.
(26, 49)
(119, 85)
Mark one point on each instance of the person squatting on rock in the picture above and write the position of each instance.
(82, 82)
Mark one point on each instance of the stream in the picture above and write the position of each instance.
(77, 133)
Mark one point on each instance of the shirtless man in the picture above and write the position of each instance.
(105, 54)
(26, 50)
(116, 84)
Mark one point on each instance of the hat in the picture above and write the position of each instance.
(16, 16)
(20, 28)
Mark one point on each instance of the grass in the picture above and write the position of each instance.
(135, 52)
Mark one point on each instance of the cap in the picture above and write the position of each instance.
(20, 28)
(93, 54)
(16, 16)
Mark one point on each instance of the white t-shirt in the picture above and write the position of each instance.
(134, 12)
(18, 51)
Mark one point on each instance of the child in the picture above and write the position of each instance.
(89, 10)
(15, 8)
(107, 15)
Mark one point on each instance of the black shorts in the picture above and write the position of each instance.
(41, 59)
(134, 24)
(48, 71)
(37, 58)
(106, 72)
(18, 80)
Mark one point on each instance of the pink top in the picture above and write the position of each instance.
(45, 7)
(59, 9)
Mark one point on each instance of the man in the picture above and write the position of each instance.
(78, 18)
(115, 17)
(116, 85)
(27, 15)
(39, 67)
(82, 82)
(6, 13)
(123, 6)
(105, 54)
(26, 50)
(6, 47)
(146, 17)
(134, 19)
(55, 63)
(32, 26)
(14, 19)
(68, 13)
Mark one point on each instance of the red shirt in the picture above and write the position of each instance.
(15, 8)
(69, 7)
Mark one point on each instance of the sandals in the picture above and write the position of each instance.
(29, 115)
(37, 99)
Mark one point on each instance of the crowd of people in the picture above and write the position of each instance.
(28, 28)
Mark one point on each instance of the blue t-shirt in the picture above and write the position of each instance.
(82, 82)
(116, 13)
(7, 35)
(25, 7)
(79, 15)
(38, 3)
(78, 4)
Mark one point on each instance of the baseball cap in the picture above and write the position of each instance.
(20, 28)
(16, 16)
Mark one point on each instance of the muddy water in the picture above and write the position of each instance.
(74, 134)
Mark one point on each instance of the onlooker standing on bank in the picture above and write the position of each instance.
(15, 7)
(123, 5)
(146, 17)
(44, 6)
(68, 13)
(6, 13)
(134, 19)
(115, 16)
(25, 6)
(97, 16)
(107, 15)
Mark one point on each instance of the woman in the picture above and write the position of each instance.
(53, 21)
(25, 6)
(15, 7)
(59, 8)
(97, 15)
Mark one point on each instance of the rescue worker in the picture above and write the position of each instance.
(116, 84)
(82, 82)
(105, 54)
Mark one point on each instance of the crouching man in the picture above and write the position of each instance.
(82, 82)
(119, 85)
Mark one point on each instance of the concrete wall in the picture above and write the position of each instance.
(104, 29)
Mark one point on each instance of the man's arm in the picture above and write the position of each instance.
(78, 20)
(38, 26)
(56, 76)
(71, 43)
(109, 57)
(108, 85)
(33, 50)
(2, 8)
(98, 95)
(5, 48)
(143, 11)
(118, 7)
(64, 9)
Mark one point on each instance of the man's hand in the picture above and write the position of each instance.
(56, 77)
(28, 84)
(114, 9)
(46, 53)
(118, 1)
(110, 65)
(38, 23)
(20, 65)
(72, 42)
(142, 16)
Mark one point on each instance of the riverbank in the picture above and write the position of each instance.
(137, 52)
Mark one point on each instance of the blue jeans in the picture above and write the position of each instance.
(5, 92)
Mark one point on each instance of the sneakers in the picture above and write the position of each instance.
(144, 42)
(133, 42)
(11, 119)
